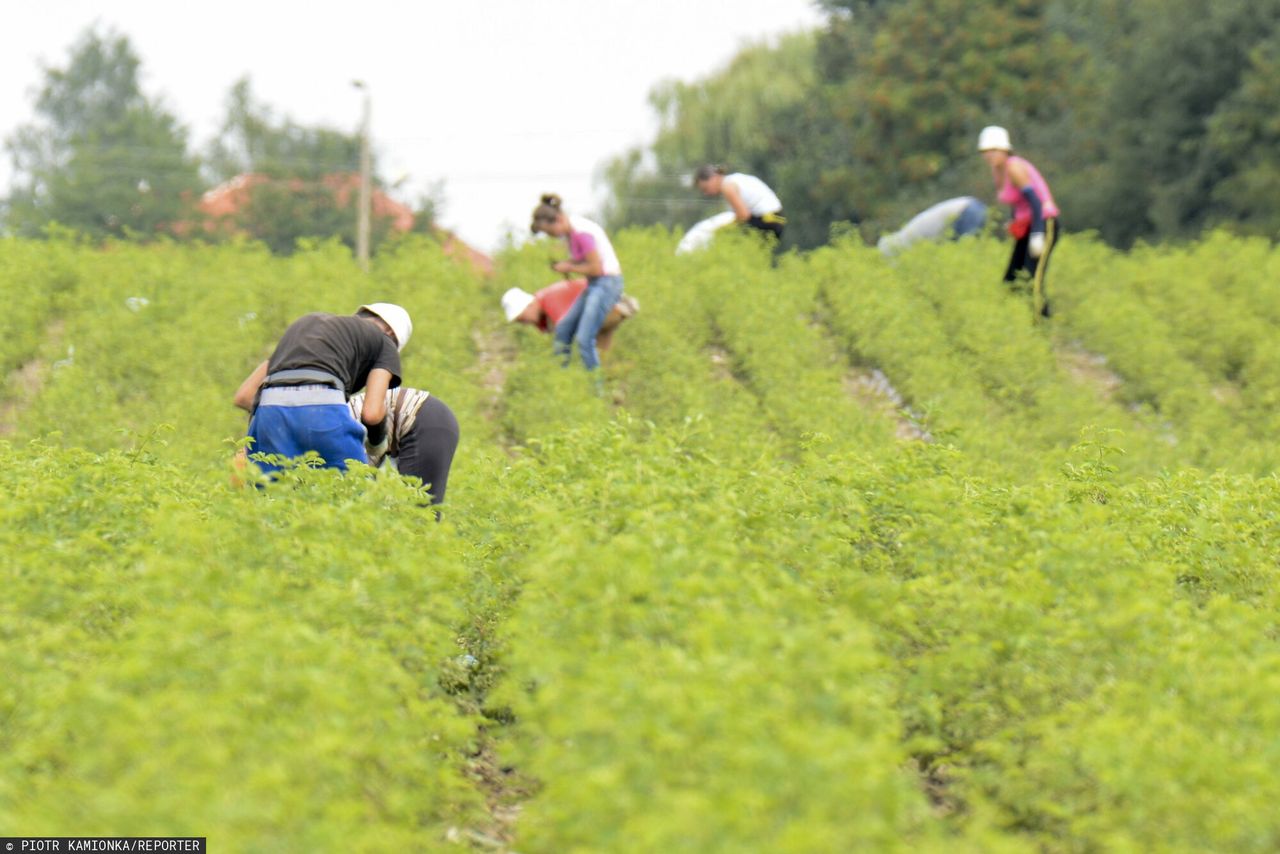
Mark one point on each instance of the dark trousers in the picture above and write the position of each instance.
(771, 222)
(427, 450)
(1035, 268)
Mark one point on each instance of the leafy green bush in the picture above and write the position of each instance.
(221, 663)
(720, 606)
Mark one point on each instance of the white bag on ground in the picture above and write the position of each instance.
(701, 234)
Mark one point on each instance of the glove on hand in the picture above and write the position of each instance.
(376, 449)
(1035, 246)
(376, 452)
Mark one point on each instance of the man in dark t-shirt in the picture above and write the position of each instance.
(297, 398)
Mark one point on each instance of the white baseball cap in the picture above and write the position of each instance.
(395, 317)
(516, 301)
(994, 137)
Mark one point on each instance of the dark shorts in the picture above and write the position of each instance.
(770, 222)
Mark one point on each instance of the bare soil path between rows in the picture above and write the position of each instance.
(24, 383)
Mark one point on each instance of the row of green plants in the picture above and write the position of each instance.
(184, 658)
(885, 652)
(1042, 608)
(650, 651)
(968, 353)
(718, 607)
(275, 670)
(1189, 329)
(162, 334)
(35, 282)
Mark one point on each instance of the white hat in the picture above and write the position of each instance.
(395, 317)
(514, 302)
(994, 137)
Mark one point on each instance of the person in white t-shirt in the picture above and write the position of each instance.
(591, 255)
(751, 200)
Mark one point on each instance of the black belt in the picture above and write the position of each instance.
(304, 376)
(298, 376)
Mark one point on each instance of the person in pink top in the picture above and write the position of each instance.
(1035, 214)
(591, 254)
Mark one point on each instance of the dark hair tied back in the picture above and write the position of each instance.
(706, 172)
(547, 211)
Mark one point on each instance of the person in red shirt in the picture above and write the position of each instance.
(545, 308)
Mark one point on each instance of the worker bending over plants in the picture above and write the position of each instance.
(297, 399)
(753, 203)
(422, 435)
(544, 309)
(953, 218)
(1034, 227)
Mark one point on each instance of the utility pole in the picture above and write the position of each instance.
(366, 182)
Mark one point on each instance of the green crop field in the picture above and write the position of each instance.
(852, 555)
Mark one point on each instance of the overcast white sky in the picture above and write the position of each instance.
(502, 99)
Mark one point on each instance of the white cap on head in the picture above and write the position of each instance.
(993, 138)
(514, 302)
(395, 317)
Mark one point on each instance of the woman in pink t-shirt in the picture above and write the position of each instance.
(1035, 214)
(591, 255)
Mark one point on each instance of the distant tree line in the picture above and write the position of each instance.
(109, 161)
(1152, 119)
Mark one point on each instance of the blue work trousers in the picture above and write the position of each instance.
(291, 431)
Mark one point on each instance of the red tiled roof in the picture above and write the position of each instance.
(224, 200)
(229, 197)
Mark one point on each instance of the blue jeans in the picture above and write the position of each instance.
(291, 431)
(585, 317)
(971, 219)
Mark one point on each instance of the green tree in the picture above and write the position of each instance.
(429, 208)
(1182, 63)
(311, 172)
(871, 118)
(1244, 140)
(896, 118)
(253, 138)
(731, 118)
(103, 158)
(280, 214)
